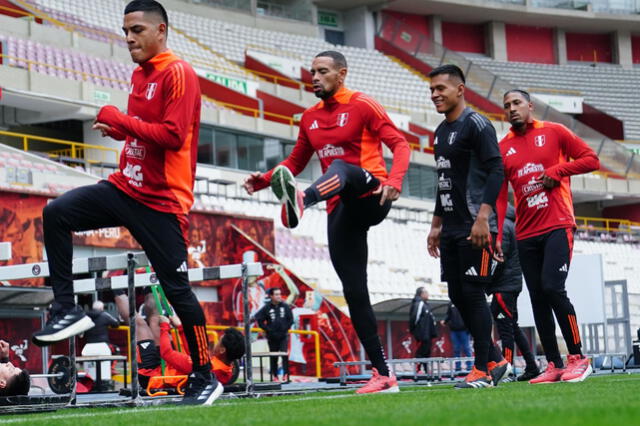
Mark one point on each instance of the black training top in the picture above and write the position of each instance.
(470, 170)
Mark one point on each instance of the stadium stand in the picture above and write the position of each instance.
(604, 86)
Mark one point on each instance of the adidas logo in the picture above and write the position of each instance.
(511, 151)
(501, 316)
(314, 125)
(472, 272)
(564, 268)
(183, 267)
(145, 345)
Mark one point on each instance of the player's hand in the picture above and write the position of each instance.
(249, 184)
(547, 181)
(433, 242)
(497, 252)
(175, 320)
(480, 234)
(162, 319)
(388, 193)
(4, 349)
(103, 128)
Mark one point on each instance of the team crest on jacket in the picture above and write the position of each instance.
(151, 90)
(539, 140)
(343, 118)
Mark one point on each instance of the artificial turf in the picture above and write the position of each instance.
(602, 400)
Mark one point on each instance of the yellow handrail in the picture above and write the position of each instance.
(623, 225)
(255, 112)
(315, 334)
(74, 148)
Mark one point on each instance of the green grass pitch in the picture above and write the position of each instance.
(603, 400)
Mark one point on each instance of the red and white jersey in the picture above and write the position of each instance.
(349, 126)
(545, 147)
(158, 161)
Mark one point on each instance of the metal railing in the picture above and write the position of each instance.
(606, 224)
(614, 157)
(75, 150)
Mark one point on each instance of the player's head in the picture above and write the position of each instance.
(230, 346)
(447, 87)
(328, 71)
(422, 293)
(145, 27)
(13, 380)
(518, 107)
(275, 294)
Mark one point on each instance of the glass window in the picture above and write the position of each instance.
(205, 145)
(225, 149)
(250, 153)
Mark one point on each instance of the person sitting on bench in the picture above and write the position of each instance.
(13, 381)
(151, 353)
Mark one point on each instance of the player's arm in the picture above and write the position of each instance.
(379, 123)
(178, 360)
(296, 162)
(180, 89)
(584, 158)
(487, 150)
(4, 351)
(501, 213)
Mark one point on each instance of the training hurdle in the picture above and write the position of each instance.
(129, 282)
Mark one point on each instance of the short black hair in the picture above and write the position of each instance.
(233, 342)
(147, 6)
(338, 58)
(524, 94)
(17, 385)
(273, 290)
(449, 69)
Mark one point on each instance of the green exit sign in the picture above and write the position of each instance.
(327, 19)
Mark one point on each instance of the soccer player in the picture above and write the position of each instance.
(346, 130)
(13, 381)
(150, 351)
(537, 162)
(470, 173)
(506, 288)
(150, 195)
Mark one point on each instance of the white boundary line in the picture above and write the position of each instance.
(266, 400)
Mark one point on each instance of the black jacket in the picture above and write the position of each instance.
(509, 276)
(454, 319)
(421, 322)
(275, 320)
(100, 332)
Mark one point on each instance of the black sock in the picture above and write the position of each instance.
(374, 350)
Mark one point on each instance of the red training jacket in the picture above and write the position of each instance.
(348, 126)
(545, 147)
(158, 162)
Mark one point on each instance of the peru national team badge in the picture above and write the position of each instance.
(539, 140)
(343, 118)
(151, 90)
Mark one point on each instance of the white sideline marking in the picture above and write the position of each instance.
(266, 400)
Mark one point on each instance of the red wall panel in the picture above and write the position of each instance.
(463, 37)
(530, 44)
(589, 47)
(635, 49)
(406, 30)
(629, 211)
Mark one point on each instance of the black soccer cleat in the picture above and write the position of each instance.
(528, 375)
(62, 325)
(202, 389)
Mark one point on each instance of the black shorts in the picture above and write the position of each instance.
(149, 359)
(459, 260)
